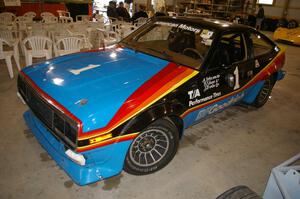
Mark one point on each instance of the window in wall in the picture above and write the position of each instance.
(265, 2)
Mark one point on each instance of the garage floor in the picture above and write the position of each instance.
(236, 147)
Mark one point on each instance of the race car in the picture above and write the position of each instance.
(126, 107)
(287, 35)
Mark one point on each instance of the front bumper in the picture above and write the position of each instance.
(101, 163)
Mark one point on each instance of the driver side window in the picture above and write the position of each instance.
(231, 49)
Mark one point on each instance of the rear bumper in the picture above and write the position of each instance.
(101, 163)
(281, 74)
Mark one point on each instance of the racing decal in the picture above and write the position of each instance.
(272, 67)
(257, 65)
(211, 82)
(237, 78)
(218, 107)
(181, 26)
(108, 142)
(194, 93)
(169, 78)
(207, 34)
(89, 67)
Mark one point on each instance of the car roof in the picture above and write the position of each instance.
(216, 24)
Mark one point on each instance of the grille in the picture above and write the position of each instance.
(61, 126)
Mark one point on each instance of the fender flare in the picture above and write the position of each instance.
(157, 111)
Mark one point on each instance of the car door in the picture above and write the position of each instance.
(229, 70)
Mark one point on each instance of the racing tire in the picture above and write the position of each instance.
(282, 23)
(239, 192)
(264, 93)
(292, 24)
(153, 148)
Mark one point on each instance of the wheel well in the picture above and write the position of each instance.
(274, 77)
(178, 123)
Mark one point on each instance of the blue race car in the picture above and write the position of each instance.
(126, 107)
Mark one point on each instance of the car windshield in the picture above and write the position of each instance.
(180, 43)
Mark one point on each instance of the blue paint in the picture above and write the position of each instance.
(280, 74)
(252, 92)
(120, 73)
(101, 163)
(201, 114)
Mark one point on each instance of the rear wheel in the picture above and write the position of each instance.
(264, 93)
(239, 192)
(292, 24)
(153, 148)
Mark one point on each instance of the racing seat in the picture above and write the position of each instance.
(180, 40)
(222, 56)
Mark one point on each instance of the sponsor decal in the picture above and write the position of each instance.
(211, 82)
(217, 107)
(194, 94)
(207, 34)
(181, 26)
(89, 67)
(257, 65)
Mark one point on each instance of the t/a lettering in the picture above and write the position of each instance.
(194, 93)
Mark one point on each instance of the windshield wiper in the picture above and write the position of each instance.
(164, 53)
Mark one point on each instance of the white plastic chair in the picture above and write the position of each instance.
(37, 47)
(125, 29)
(63, 13)
(68, 45)
(13, 37)
(140, 21)
(64, 16)
(30, 16)
(80, 31)
(63, 19)
(100, 18)
(7, 18)
(47, 14)
(21, 23)
(108, 37)
(82, 18)
(7, 54)
(9, 35)
(49, 19)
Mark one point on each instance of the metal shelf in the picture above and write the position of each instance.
(228, 7)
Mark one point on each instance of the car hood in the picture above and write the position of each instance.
(93, 85)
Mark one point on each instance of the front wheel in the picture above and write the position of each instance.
(153, 148)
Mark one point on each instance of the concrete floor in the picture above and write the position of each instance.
(236, 147)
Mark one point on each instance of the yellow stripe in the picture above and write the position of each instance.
(103, 142)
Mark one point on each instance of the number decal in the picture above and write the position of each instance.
(237, 79)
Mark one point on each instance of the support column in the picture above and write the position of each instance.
(285, 9)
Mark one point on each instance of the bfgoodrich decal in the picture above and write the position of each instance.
(219, 106)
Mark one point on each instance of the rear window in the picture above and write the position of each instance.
(260, 45)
